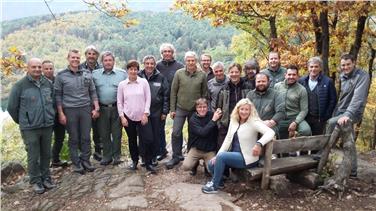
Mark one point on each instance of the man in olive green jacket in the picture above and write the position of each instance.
(31, 106)
(188, 85)
(296, 105)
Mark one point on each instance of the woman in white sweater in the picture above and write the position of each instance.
(240, 149)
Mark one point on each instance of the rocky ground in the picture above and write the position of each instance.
(115, 188)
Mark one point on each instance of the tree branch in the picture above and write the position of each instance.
(48, 6)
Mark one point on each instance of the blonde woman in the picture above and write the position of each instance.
(241, 148)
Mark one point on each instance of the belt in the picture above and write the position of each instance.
(109, 105)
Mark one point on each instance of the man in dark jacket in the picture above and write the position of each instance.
(202, 136)
(31, 106)
(251, 68)
(160, 99)
(352, 100)
(167, 67)
(322, 96)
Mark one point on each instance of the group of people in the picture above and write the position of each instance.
(230, 117)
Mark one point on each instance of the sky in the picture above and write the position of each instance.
(13, 9)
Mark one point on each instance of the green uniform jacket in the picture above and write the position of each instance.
(275, 76)
(296, 103)
(31, 106)
(269, 104)
(186, 88)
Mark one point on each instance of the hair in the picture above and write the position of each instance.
(201, 101)
(347, 56)
(235, 112)
(207, 55)
(133, 63)
(218, 64)
(252, 64)
(72, 51)
(91, 48)
(315, 60)
(107, 53)
(237, 65)
(147, 57)
(190, 54)
(47, 62)
(293, 67)
(263, 74)
(167, 45)
(275, 52)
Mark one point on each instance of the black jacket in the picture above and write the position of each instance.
(159, 92)
(202, 132)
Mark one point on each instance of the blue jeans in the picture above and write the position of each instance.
(229, 159)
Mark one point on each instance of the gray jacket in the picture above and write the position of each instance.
(214, 87)
(353, 96)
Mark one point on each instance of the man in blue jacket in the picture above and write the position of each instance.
(31, 106)
(322, 96)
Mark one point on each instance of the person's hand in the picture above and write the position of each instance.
(94, 114)
(256, 150)
(172, 115)
(217, 114)
(212, 161)
(343, 120)
(270, 123)
(144, 119)
(292, 127)
(124, 121)
(62, 119)
(163, 117)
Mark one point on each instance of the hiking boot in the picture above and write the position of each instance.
(87, 166)
(133, 166)
(117, 161)
(106, 163)
(154, 162)
(38, 188)
(48, 184)
(171, 163)
(59, 163)
(97, 156)
(162, 156)
(151, 169)
(78, 168)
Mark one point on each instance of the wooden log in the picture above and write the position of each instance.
(292, 164)
(304, 143)
(307, 178)
(325, 153)
(267, 165)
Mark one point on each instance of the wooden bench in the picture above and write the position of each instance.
(287, 164)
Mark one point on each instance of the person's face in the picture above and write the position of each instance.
(205, 62)
(132, 73)
(244, 112)
(202, 109)
(291, 76)
(250, 72)
(190, 62)
(234, 74)
(34, 68)
(262, 83)
(149, 66)
(74, 60)
(108, 62)
(347, 66)
(48, 70)
(167, 54)
(273, 60)
(314, 69)
(91, 56)
(219, 73)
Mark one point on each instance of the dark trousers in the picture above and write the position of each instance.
(146, 143)
(317, 126)
(59, 136)
(109, 125)
(96, 137)
(38, 147)
(177, 131)
(78, 127)
(156, 123)
(162, 140)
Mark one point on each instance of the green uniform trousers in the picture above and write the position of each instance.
(303, 128)
(38, 147)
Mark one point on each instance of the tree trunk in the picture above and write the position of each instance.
(273, 32)
(355, 47)
(324, 22)
(316, 26)
(370, 63)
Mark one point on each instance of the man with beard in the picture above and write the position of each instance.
(269, 103)
(251, 68)
(296, 105)
(275, 71)
(106, 81)
(91, 64)
(205, 62)
(167, 67)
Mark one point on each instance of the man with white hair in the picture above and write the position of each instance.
(167, 67)
(216, 84)
(188, 85)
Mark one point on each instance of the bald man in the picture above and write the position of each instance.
(31, 106)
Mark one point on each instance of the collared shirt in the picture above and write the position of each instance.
(312, 84)
(106, 84)
(86, 66)
(133, 98)
(74, 89)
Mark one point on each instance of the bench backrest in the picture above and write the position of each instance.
(304, 143)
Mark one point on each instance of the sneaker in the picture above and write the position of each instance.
(171, 163)
(48, 184)
(133, 166)
(154, 162)
(209, 188)
(162, 156)
(59, 163)
(117, 161)
(38, 188)
(106, 163)
(353, 174)
(221, 185)
(78, 168)
(151, 169)
(97, 156)
(87, 166)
